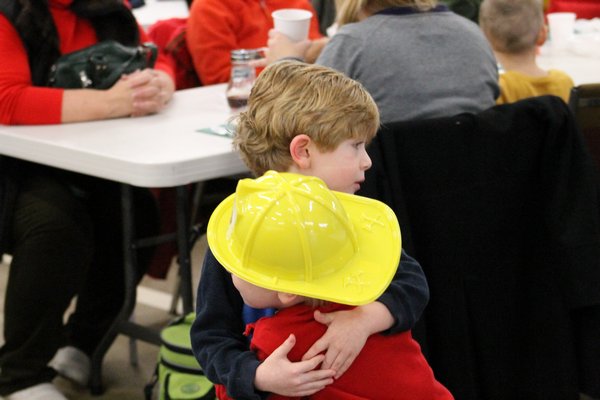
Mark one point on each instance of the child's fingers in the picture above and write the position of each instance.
(339, 361)
(317, 348)
(342, 367)
(285, 347)
(313, 381)
(313, 387)
(311, 363)
(323, 318)
(320, 375)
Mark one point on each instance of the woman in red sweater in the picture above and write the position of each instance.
(21, 102)
(215, 27)
(63, 229)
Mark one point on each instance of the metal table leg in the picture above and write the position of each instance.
(122, 323)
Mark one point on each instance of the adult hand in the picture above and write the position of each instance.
(277, 374)
(280, 46)
(151, 91)
(345, 337)
(140, 93)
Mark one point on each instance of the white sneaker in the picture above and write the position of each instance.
(73, 364)
(43, 391)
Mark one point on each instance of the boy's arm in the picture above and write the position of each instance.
(217, 334)
(407, 295)
(223, 351)
(397, 310)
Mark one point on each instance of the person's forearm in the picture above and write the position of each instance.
(315, 48)
(375, 316)
(89, 104)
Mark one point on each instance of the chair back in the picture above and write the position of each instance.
(585, 104)
(501, 209)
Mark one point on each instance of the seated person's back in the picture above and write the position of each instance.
(417, 59)
(515, 29)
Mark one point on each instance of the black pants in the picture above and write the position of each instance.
(65, 242)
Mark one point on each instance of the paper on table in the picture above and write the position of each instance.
(225, 130)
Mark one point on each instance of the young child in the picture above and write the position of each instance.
(311, 120)
(515, 29)
(292, 244)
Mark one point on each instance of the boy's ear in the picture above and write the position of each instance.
(288, 299)
(542, 35)
(299, 150)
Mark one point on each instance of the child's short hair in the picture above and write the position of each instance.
(348, 11)
(291, 98)
(511, 26)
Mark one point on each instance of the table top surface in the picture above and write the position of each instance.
(155, 10)
(160, 150)
(581, 60)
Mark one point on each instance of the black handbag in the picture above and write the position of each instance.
(101, 65)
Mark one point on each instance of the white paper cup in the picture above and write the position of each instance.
(292, 22)
(562, 27)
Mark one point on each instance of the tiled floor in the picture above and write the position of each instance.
(122, 380)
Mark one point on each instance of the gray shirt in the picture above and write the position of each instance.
(417, 65)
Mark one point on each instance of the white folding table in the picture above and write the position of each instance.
(581, 60)
(162, 150)
(155, 10)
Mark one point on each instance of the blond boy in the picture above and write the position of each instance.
(515, 30)
(310, 120)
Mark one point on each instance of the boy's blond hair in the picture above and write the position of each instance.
(291, 98)
(511, 26)
(348, 11)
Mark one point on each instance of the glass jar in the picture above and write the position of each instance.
(242, 78)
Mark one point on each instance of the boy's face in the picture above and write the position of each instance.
(255, 296)
(342, 169)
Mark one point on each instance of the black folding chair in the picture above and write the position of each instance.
(585, 103)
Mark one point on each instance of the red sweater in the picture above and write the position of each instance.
(22, 103)
(215, 27)
(388, 367)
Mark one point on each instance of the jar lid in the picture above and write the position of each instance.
(244, 54)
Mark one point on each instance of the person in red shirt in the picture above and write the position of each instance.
(292, 244)
(585, 9)
(63, 229)
(215, 27)
(23, 101)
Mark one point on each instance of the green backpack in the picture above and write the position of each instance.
(177, 373)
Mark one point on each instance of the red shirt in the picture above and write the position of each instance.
(215, 27)
(388, 367)
(20, 101)
(586, 9)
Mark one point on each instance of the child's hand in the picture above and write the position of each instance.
(345, 337)
(279, 375)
